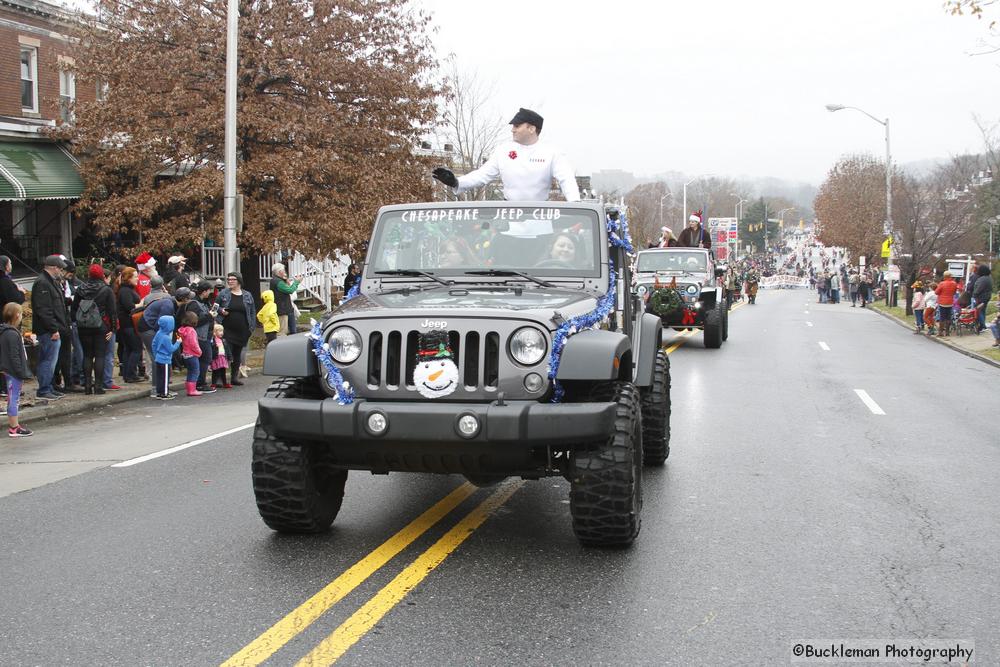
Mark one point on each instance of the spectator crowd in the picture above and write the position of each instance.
(155, 325)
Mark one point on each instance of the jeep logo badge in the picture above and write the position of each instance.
(434, 324)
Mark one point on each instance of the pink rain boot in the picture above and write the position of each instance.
(191, 390)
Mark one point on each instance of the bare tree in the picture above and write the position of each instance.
(471, 126)
(645, 220)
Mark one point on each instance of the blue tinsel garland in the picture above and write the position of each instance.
(353, 292)
(619, 237)
(344, 392)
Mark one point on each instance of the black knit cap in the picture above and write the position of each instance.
(527, 116)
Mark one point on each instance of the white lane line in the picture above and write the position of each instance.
(869, 401)
(824, 346)
(164, 452)
(809, 324)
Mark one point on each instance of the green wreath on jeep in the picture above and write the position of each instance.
(665, 302)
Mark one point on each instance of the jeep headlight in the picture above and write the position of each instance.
(692, 289)
(527, 345)
(345, 345)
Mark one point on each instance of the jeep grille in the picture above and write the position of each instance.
(392, 358)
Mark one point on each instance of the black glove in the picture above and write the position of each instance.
(446, 176)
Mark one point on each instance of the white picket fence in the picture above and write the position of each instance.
(321, 278)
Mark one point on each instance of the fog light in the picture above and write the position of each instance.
(377, 423)
(533, 382)
(468, 425)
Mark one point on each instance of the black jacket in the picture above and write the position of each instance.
(127, 300)
(8, 291)
(48, 306)
(96, 289)
(281, 300)
(983, 289)
(13, 358)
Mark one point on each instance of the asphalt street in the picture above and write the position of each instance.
(790, 509)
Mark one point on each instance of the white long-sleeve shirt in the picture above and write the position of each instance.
(526, 172)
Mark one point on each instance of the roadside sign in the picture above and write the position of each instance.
(892, 273)
(886, 245)
(861, 260)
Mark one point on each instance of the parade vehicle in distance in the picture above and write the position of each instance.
(489, 339)
(681, 287)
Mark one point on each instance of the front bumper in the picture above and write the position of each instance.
(514, 438)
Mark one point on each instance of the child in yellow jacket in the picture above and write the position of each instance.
(268, 315)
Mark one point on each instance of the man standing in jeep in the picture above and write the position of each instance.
(525, 165)
(694, 235)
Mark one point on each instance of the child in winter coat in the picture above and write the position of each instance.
(219, 361)
(930, 305)
(190, 351)
(14, 363)
(918, 307)
(163, 353)
(268, 316)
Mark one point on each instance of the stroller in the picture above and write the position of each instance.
(966, 321)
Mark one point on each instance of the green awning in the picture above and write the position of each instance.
(37, 170)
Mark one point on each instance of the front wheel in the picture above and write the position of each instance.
(606, 482)
(713, 328)
(296, 489)
(656, 414)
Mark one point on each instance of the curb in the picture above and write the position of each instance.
(968, 353)
(92, 404)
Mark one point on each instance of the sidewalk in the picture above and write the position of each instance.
(978, 347)
(69, 404)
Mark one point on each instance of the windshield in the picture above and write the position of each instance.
(451, 241)
(672, 260)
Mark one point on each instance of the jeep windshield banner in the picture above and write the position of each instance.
(450, 241)
(672, 260)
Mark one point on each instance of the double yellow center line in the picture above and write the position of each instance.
(364, 619)
(335, 645)
(684, 335)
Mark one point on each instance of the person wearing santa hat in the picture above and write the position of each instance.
(667, 239)
(146, 264)
(694, 235)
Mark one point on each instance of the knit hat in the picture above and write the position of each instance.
(182, 293)
(96, 271)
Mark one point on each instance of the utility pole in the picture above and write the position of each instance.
(229, 195)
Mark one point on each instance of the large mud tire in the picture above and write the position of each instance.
(713, 328)
(656, 414)
(606, 482)
(725, 325)
(296, 490)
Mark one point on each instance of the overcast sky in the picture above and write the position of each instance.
(732, 87)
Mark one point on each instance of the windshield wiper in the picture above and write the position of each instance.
(506, 272)
(414, 273)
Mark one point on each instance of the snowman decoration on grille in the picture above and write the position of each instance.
(436, 374)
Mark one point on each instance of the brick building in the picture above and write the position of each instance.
(38, 177)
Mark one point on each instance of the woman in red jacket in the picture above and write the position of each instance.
(946, 300)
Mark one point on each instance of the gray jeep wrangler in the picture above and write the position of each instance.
(444, 363)
(681, 287)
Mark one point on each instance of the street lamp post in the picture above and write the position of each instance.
(661, 207)
(888, 230)
(684, 212)
(229, 194)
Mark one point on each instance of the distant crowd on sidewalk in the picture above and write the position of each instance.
(942, 306)
(152, 324)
